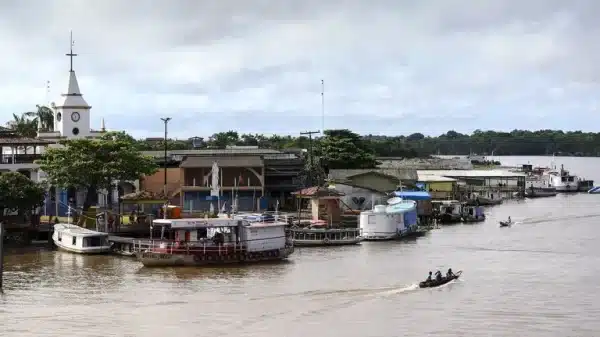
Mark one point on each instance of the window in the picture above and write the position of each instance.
(58, 117)
(74, 240)
(75, 131)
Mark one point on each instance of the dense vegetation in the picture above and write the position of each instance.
(517, 142)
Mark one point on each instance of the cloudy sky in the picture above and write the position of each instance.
(389, 66)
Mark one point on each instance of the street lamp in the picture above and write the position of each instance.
(166, 121)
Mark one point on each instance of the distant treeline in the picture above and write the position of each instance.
(517, 142)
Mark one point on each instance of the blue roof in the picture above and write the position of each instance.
(413, 195)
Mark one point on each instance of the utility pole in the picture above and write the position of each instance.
(310, 153)
(166, 121)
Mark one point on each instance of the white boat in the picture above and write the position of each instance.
(396, 220)
(80, 240)
(536, 187)
(561, 180)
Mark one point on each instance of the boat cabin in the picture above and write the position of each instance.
(80, 240)
(223, 233)
(452, 207)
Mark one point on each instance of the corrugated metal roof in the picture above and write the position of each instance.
(432, 178)
(470, 173)
(400, 174)
(236, 161)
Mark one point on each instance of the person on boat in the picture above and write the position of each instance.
(438, 275)
(449, 273)
(428, 278)
(509, 220)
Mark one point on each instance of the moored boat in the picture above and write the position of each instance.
(562, 180)
(321, 235)
(436, 283)
(506, 223)
(473, 214)
(201, 242)
(80, 240)
(448, 211)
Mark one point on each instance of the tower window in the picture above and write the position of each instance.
(75, 131)
(58, 117)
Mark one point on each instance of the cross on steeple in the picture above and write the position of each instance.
(70, 55)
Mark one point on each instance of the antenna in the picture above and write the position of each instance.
(70, 54)
(47, 93)
(323, 105)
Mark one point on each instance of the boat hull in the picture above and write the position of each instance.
(88, 251)
(474, 220)
(322, 243)
(156, 259)
(567, 188)
(450, 218)
(435, 283)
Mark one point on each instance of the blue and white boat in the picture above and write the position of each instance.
(594, 190)
(395, 220)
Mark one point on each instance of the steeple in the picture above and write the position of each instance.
(102, 125)
(73, 98)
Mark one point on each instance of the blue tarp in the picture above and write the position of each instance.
(410, 219)
(413, 195)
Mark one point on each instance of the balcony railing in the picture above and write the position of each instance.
(19, 158)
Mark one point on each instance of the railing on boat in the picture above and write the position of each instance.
(175, 247)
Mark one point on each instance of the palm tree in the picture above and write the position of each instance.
(23, 126)
(43, 115)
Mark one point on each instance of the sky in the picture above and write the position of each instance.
(389, 67)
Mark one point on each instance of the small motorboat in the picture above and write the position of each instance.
(436, 283)
(506, 223)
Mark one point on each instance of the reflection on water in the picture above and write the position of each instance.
(537, 278)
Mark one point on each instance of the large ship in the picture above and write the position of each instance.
(562, 180)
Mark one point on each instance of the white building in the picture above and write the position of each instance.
(72, 120)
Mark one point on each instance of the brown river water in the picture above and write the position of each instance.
(537, 278)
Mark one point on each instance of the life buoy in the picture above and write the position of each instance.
(326, 240)
(208, 257)
(197, 258)
(276, 253)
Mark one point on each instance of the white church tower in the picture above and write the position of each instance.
(72, 112)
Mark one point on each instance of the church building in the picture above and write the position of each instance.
(72, 120)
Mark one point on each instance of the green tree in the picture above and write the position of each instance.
(43, 116)
(23, 126)
(19, 193)
(94, 164)
(344, 149)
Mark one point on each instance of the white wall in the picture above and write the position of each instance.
(353, 194)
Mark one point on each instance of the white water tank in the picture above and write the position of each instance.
(379, 209)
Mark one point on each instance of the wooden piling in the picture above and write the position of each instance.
(1, 253)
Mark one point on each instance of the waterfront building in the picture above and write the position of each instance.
(259, 178)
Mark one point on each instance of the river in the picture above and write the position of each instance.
(537, 278)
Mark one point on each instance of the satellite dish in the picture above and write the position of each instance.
(394, 200)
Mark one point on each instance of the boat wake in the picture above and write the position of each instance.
(531, 221)
(396, 291)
